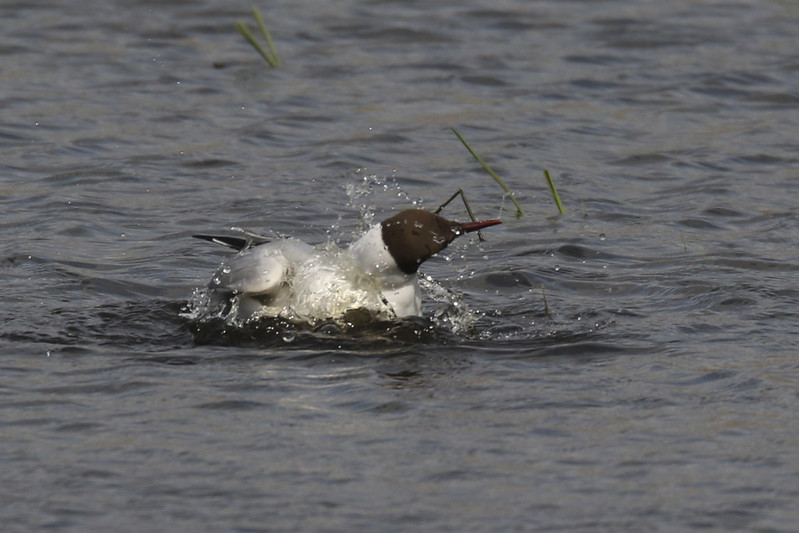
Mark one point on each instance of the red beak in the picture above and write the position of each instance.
(474, 226)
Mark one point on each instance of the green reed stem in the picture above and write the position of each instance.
(272, 57)
(493, 174)
(266, 35)
(554, 192)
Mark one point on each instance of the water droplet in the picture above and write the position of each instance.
(557, 268)
(288, 336)
(601, 236)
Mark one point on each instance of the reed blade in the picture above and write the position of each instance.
(554, 192)
(493, 174)
(275, 62)
(271, 55)
(245, 31)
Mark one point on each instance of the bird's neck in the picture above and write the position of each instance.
(372, 256)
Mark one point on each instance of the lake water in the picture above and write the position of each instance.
(628, 366)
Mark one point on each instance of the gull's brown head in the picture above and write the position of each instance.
(414, 235)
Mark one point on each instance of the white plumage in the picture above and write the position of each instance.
(377, 273)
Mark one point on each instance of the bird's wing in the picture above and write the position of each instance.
(237, 243)
(258, 270)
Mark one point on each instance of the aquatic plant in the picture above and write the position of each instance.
(493, 174)
(554, 192)
(502, 184)
(270, 56)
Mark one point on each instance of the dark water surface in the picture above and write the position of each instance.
(631, 365)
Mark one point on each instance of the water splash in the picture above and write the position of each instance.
(446, 312)
(354, 293)
(364, 193)
(451, 312)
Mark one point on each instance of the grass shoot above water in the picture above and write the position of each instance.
(554, 192)
(502, 184)
(493, 174)
(270, 56)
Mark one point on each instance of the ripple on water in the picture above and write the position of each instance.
(634, 357)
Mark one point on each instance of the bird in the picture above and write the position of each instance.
(376, 274)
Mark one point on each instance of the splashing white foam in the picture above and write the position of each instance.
(331, 272)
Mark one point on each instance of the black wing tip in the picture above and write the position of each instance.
(236, 243)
